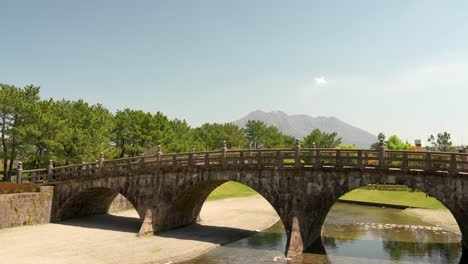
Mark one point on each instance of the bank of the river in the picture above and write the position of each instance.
(441, 217)
(231, 190)
(111, 238)
(403, 198)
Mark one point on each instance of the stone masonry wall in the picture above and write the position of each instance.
(26, 208)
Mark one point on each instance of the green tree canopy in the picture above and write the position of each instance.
(85, 131)
(211, 136)
(16, 106)
(395, 143)
(255, 131)
(260, 135)
(443, 142)
(136, 131)
(321, 139)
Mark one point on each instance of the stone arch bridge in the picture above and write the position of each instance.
(168, 190)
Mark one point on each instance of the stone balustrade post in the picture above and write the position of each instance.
(405, 163)
(82, 171)
(381, 150)
(19, 172)
(241, 159)
(428, 162)
(465, 159)
(317, 161)
(224, 153)
(297, 152)
(249, 154)
(101, 160)
(339, 161)
(313, 154)
(98, 171)
(360, 164)
(191, 159)
(50, 170)
(453, 164)
(279, 159)
(159, 154)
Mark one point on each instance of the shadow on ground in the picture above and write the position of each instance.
(212, 234)
(106, 222)
(197, 232)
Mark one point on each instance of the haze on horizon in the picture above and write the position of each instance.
(396, 66)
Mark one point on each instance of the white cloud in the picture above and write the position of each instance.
(320, 81)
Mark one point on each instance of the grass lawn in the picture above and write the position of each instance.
(413, 199)
(230, 189)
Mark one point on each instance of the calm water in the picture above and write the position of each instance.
(351, 234)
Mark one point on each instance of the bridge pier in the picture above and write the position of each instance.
(147, 226)
(304, 228)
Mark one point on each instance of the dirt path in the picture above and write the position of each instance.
(112, 239)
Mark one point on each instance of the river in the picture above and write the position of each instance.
(351, 234)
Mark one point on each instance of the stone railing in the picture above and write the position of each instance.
(313, 158)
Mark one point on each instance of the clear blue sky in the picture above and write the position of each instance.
(394, 66)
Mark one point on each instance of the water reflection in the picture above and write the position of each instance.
(351, 234)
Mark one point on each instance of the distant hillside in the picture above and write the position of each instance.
(301, 125)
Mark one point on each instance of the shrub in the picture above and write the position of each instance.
(9, 187)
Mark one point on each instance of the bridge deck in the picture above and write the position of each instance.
(314, 158)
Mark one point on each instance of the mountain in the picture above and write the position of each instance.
(301, 125)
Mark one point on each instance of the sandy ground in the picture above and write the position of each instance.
(112, 238)
(441, 218)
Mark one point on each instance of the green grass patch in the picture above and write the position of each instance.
(405, 198)
(229, 190)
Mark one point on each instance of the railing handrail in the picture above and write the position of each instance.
(452, 162)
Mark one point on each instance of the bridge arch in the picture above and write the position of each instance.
(445, 190)
(320, 246)
(88, 202)
(183, 207)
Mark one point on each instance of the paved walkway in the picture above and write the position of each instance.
(112, 238)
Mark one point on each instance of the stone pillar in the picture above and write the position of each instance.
(223, 153)
(303, 230)
(101, 160)
(381, 150)
(50, 169)
(19, 172)
(464, 158)
(295, 244)
(159, 154)
(149, 222)
(297, 150)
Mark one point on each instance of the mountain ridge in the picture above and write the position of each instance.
(301, 125)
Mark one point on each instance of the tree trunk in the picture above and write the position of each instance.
(5, 151)
(12, 157)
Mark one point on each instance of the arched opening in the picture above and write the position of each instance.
(390, 223)
(100, 208)
(228, 212)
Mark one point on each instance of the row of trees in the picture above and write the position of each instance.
(441, 142)
(35, 131)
